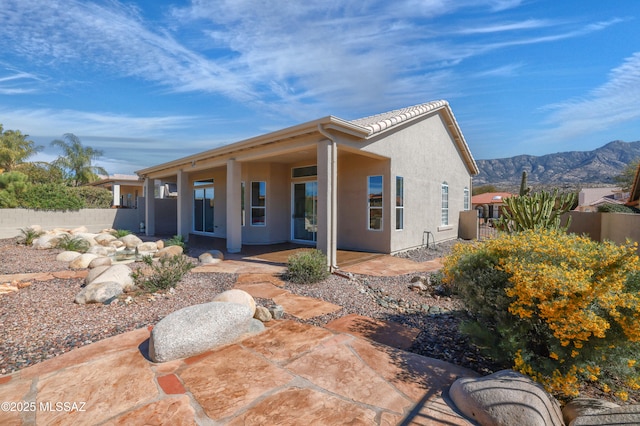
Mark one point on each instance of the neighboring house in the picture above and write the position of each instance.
(374, 184)
(125, 189)
(589, 199)
(490, 204)
(634, 195)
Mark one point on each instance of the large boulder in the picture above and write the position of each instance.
(67, 256)
(116, 273)
(585, 407)
(505, 398)
(99, 292)
(198, 328)
(100, 261)
(131, 241)
(169, 251)
(147, 248)
(102, 250)
(82, 261)
(46, 241)
(90, 238)
(211, 257)
(237, 296)
(104, 239)
(626, 415)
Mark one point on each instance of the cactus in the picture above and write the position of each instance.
(524, 189)
(541, 210)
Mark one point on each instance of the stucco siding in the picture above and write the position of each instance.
(425, 155)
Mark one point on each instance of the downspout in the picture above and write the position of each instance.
(333, 231)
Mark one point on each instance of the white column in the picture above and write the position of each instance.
(326, 236)
(150, 207)
(234, 206)
(115, 191)
(183, 205)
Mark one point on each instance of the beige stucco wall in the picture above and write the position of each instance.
(425, 155)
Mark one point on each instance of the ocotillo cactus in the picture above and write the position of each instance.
(541, 210)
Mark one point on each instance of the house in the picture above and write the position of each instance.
(375, 184)
(490, 204)
(589, 199)
(125, 189)
(634, 195)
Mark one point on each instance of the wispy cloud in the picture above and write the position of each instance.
(614, 102)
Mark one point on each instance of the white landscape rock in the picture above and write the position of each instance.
(198, 328)
(208, 258)
(90, 238)
(237, 296)
(82, 261)
(116, 273)
(147, 248)
(102, 250)
(104, 239)
(505, 398)
(67, 256)
(585, 406)
(98, 292)
(626, 415)
(100, 261)
(169, 251)
(131, 241)
(46, 241)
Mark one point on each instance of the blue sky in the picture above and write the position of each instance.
(150, 81)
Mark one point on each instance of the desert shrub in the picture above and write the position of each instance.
(119, 233)
(94, 197)
(177, 240)
(67, 242)
(307, 267)
(617, 208)
(28, 235)
(50, 197)
(162, 274)
(562, 308)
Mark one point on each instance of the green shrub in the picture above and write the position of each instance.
(28, 236)
(307, 267)
(69, 243)
(163, 274)
(94, 197)
(12, 186)
(561, 308)
(50, 197)
(617, 208)
(119, 233)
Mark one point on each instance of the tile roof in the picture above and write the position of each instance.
(379, 122)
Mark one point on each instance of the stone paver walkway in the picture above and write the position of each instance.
(290, 374)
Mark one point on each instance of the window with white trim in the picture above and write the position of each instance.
(399, 203)
(445, 204)
(258, 203)
(374, 202)
(466, 198)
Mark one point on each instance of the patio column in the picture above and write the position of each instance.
(327, 201)
(150, 206)
(234, 206)
(183, 211)
(115, 192)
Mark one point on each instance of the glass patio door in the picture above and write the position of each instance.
(203, 195)
(305, 208)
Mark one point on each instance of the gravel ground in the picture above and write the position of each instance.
(42, 321)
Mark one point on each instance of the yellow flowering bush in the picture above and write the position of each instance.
(560, 308)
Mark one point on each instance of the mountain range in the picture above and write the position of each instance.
(572, 169)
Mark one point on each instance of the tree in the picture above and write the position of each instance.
(15, 148)
(77, 159)
(41, 172)
(627, 176)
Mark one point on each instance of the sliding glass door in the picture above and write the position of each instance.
(304, 225)
(203, 206)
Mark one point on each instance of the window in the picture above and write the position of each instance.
(399, 202)
(445, 204)
(466, 198)
(307, 171)
(258, 203)
(374, 200)
(242, 203)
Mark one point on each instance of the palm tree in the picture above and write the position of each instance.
(76, 160)
(15, 148)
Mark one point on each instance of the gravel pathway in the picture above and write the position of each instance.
(42, 321)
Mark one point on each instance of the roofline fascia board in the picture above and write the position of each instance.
(309, 127)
